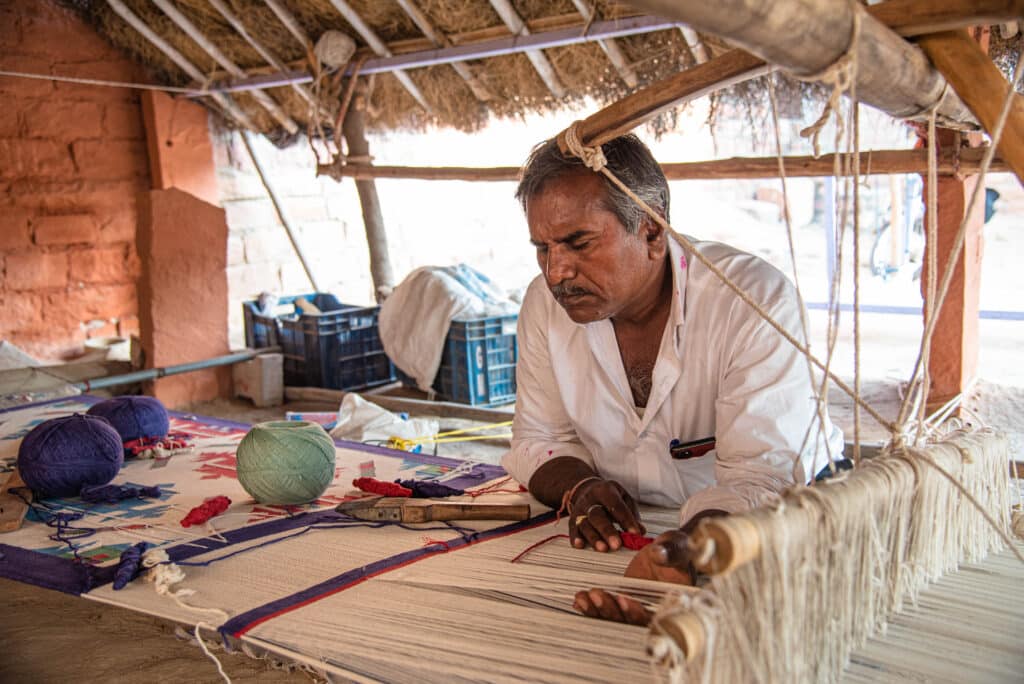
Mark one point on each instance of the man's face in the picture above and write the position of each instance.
(593, 266)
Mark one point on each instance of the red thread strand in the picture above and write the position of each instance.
(634, 542)
(542, 542)
(375, 486)
(498, 488)
(206, 510)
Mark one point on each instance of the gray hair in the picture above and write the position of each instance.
(628, 158)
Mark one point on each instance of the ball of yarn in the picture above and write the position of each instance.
(134, 417)
(62, 455)
(285, 462)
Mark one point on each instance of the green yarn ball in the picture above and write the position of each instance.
(286, 462)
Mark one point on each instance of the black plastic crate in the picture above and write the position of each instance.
(478, 365)
(338, 348)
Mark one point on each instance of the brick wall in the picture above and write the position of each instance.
(72, 160)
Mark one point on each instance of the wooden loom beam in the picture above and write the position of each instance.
(877, 162)
(912, 17)
(982, 87)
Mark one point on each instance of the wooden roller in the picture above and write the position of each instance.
(723, 544)
(685, 630)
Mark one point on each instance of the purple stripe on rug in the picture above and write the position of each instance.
(51, 572)
(243, 622)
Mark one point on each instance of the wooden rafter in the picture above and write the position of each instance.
(981, 85)
(268, 56)
(872, 163)
(378, 46)
(611, 49)
(193, 32)
(540, 62)
(509, 44)
(695, 44)
(223, 100)
(435, 36)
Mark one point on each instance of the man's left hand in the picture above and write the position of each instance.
(667, 559)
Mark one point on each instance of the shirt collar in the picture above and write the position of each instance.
(680, 263)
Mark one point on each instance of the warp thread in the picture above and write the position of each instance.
(112, 493)
(213, 506)
(128, 567)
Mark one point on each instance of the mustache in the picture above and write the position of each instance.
(566, 290)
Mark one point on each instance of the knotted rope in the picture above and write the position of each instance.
(841, 75)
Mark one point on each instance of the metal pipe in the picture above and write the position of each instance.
(154, 373)
(540, 62)
(378, 46)
(225, 101)
(268, 56)
(210, 48)
(508, 45)
(609, 46)
(440, 40)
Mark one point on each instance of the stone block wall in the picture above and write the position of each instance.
(325, 214)
(72, 161)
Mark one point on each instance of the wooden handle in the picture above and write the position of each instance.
(728, 542)
(469, 511)
(12, 507)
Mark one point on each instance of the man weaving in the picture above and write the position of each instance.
(641, 377)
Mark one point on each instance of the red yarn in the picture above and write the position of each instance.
(634, 542)
(206, 510)
(375, 486)
(498, 487)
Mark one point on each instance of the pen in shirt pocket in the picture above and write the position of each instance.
(692, 449)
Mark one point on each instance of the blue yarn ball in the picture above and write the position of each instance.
(60, 456)
(134, 417)
(285, 462)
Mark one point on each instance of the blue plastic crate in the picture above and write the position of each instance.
(338, 348)
(478, 365)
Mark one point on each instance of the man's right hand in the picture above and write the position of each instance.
(595, 509)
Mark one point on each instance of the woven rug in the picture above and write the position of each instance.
(432, 602)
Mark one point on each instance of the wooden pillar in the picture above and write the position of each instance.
(182, 245)
(354, 130)
(954, 352)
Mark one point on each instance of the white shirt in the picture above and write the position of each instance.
(721, 371)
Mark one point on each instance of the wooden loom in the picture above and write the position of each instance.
(799, 584)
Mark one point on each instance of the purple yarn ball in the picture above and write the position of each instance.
(134, 417)
(60, 456)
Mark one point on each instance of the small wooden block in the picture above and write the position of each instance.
(13, 507)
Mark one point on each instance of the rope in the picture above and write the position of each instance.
(572, 141)
(841, 75)
(105, 83)
(446, 437)
(805, 328)
(961, 234)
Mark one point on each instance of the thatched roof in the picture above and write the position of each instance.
(514, 83)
